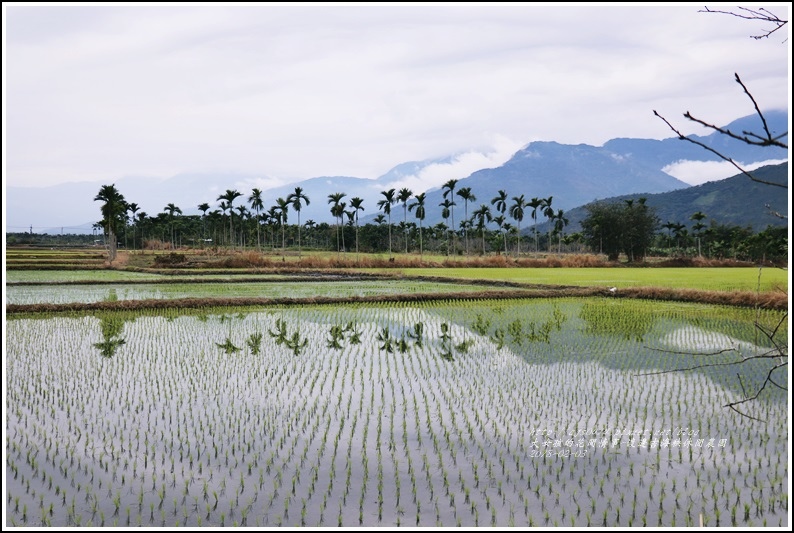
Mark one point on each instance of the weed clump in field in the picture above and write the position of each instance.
(171, 259)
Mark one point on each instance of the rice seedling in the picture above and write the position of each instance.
(411, 409)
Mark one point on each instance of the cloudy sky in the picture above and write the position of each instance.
(288, 92)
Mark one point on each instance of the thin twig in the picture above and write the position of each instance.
(683, 137)
(747, 137)
(733, 405)
(750, 14)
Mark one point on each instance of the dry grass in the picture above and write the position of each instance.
(766, 300)
(225, 259)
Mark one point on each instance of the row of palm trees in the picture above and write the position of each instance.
(501, 207)
(479, 220)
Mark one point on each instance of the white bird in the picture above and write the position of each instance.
(613, 290)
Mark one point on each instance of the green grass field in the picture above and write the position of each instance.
(719, 279)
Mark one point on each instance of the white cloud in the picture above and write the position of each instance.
(698, 172)
(461, 166)
(296, 91)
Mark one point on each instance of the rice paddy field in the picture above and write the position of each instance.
(36, 294)
(490, 412)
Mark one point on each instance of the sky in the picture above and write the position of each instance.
(287, 92)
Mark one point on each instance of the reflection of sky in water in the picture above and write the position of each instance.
(694, 339)
(326, 411)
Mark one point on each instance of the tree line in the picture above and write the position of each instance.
(629, 229)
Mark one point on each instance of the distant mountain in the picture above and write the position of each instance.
(572, 175)
(369, 190)
(72, 206)
(735, 201)
(659, 154)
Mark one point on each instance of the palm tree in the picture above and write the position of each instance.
(559, 225)
(698, 226)
(535, 204)
(273, 219)
(309, 225)
(449, 190)
(669, 226)
(357, 204)
(419, 204)
(403, 196)
(340, 212)
(296, 199)
(468, 196)
(509, 228)
(244, 215)
(483, 216)
(500, 202)
(351, 219)
(446, 209)
(257, 204)
(140, 223)
(385, 206)
(171, 209)
(204, 208)
(230, 196)
(517, 214)
(500, 221)
(133, 208)
(224, 207)
(114, 210)
(548, 212)
(282, 209)
(336, 211)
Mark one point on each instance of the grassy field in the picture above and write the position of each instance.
(717, 279)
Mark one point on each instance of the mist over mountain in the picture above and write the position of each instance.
(573, 175)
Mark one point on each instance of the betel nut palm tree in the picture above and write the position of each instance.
(114, 213)
(298, 198)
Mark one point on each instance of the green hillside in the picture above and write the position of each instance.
(733, 201)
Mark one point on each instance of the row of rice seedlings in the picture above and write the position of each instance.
(214, 433)
(36, 294)
(66, 276)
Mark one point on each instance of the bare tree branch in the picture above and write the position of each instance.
(732, 405)
(677, 352)
(771, 354)
(775, 213)
(747, 137)
(779, 350)
(751, 14)
(715, 152)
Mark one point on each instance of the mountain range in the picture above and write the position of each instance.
(573, 175)
(734, 201)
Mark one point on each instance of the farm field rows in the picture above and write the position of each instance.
(492, 412)
(36, 294)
